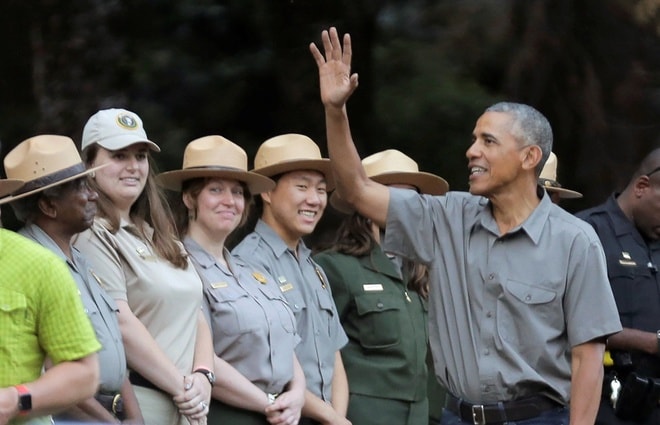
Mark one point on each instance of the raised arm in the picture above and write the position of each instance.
(337, 84)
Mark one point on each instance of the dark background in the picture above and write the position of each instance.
(242, 69)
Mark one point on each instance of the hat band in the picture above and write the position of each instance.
(549, 183)
(51, 178)
(213, 168)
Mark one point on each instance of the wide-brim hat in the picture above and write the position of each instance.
(115, 129)
(291, 152)
(215, 156)
(394, 167)
(8, 186)
(43, 162)
(548, 179)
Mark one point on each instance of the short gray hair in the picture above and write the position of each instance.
(530, 127)
(27, 209)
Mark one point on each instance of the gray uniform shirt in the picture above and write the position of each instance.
(304, 285)
(100, 308)
(504, 310)
(253, 327)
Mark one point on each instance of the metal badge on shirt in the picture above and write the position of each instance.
(284, 284)
(626, 260)
(260, 278)
(144, 254)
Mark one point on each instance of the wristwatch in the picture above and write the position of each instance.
(208, 373)
(24, 399)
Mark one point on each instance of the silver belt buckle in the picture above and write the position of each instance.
(478, 416)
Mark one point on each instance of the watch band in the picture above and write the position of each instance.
(207, 373)
(24, 399)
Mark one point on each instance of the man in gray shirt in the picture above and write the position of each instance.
(56, 205)
(291, 211)
(520, 306)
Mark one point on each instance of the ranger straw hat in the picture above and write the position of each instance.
(42, 162)
(215, 156)
(548, 179)
(291, 152)
(394, 167)
(8, 186)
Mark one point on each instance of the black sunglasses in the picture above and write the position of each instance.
(654, 171)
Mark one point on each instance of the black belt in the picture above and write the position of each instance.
(515, 410)
(141, 381)
(113, 403)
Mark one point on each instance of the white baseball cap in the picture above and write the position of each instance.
(115, 129)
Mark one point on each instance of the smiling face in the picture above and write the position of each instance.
(218, 207)
(495, 158)
(124, 179)
(295, 206)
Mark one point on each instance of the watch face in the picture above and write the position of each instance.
(24, 402)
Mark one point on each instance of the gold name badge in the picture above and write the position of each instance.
(259, 277)
(286, 287)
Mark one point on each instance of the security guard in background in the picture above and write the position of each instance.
(628, 225)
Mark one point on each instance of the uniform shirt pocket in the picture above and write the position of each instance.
(14, 315)
(530, 304)
(378, 315)
(230, 311)
(627, 286)
(281, 306)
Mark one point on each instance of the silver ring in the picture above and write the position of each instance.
(203, 404)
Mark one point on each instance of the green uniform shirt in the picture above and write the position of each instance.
(385, 322)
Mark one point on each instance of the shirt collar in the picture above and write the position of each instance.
(532, 226)
(621, 224)
(277, 244)
(37, 234)
(379, 262)
(206, 260)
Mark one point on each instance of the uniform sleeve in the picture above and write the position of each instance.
(589, 303)
(96, 244)
(65, 331)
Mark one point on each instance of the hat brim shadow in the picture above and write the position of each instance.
(48, 186)
(320, 165)
(256, 183)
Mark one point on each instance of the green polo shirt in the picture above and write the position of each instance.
(41, 313)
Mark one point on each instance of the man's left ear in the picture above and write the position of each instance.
(640, 185)
(533, 155)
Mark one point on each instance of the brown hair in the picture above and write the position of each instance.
(194, 187)
(355, 238)
(150, 207)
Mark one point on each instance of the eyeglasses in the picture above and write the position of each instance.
(653, 171)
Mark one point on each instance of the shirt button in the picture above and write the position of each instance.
(491, 276)
(528, 298)
(487, 352)
(489, 314)
(295, 306)
(379, 305)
